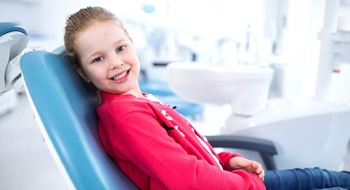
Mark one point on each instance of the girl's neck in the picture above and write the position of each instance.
(137, 93)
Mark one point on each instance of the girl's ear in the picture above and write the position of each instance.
(81, 72)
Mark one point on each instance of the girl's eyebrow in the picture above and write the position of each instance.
(120, 41)
(93, 55)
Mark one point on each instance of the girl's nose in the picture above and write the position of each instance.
(116, 62)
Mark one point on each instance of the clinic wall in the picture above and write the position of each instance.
(301, 46)
(44, 20)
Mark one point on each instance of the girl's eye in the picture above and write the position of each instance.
(98, 59)
(120, 49)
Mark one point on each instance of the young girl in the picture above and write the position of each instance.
(150, 142)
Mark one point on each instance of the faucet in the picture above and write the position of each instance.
(250, 56)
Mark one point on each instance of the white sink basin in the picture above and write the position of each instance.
(245, 87)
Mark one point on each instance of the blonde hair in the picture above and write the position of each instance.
(80, 21)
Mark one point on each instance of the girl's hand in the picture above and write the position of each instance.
(247, 165)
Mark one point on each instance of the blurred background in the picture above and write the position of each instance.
(284, 34)
(275, 30)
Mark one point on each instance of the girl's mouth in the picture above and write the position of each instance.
(120, 76)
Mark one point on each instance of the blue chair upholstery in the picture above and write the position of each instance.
(65, 109)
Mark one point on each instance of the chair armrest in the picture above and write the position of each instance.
(265, 148)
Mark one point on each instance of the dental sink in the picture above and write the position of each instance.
(245, 87)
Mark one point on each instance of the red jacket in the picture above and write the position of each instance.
(158, 149)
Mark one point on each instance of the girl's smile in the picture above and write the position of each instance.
(121, 77)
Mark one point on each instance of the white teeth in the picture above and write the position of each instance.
(120, 76)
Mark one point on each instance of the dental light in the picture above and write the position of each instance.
(13, 43)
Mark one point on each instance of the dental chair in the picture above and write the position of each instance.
(13, 40)
(64, 107)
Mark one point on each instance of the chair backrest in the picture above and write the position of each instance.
(65, 109)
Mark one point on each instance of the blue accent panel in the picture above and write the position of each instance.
(6, 27)
(156, 88)
(182, 106)
(66, 106)
(163, 92)
(148, 8)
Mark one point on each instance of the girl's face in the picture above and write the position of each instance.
(108, 58)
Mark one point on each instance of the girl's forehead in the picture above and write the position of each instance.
(101, 31)
(102, 25)
(99, 36)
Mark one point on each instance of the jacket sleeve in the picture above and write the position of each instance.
(141, 140)
(224, 158)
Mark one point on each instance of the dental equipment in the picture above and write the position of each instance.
(13, 41)
(307, 133)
